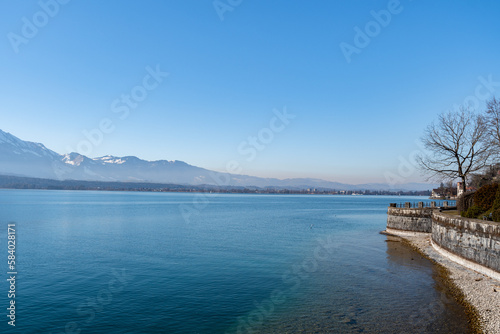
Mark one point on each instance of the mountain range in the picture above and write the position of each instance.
(28, 159)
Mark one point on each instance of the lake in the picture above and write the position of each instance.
(143, 262)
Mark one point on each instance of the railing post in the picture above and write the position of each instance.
(407, 205)
(445, 204)
(433, 204)
(420, 205)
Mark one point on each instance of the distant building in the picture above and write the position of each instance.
(460, 191)
(445, 191)
(436, 193)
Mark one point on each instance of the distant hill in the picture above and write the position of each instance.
(34, 160)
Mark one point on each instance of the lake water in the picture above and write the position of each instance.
(131, 262)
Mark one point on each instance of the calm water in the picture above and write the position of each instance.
(116, 262)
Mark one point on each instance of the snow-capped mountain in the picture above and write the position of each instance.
(18, 157)
(23, 158)
(20, 147)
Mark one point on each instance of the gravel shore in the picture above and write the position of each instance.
(479, 291)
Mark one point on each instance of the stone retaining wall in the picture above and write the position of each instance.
(410, 219)
(472, 239)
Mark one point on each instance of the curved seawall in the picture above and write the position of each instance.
(410, 219)
(473, 243)
(472, 239)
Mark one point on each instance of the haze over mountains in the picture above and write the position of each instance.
(28, 159)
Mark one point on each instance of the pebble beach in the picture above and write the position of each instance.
(481, 293)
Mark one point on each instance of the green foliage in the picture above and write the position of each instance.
(496, 203)
(485, 196)
(485, 201)
(473, 212)
(496, 215)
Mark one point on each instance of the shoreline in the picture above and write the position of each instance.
(208, 192)
(24, 183)
(478, 293)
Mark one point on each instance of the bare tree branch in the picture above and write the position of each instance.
(458, 144)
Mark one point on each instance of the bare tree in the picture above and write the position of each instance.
(457, 145)
(493, 121)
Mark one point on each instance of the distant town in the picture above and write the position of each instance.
(16, 182)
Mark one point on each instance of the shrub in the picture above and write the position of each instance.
(485, 196)
(473, 212)
(496, 215)
(496, 203)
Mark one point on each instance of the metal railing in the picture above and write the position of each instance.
(427, 204)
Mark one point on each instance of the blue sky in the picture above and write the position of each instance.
(354, 121)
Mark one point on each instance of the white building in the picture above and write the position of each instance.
(459, 189)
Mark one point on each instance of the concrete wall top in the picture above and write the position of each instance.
(413, 212)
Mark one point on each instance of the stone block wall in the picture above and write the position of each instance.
(410, 219)
(472, 239)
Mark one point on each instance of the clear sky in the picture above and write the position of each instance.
(362, 78)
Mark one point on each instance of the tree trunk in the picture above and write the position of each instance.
(464, 186)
